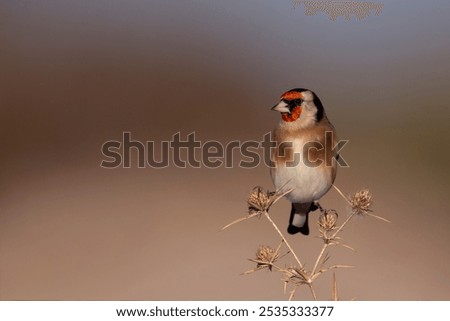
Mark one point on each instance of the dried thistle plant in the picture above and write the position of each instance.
(327, 220)
(327, 224)
(267, 258)
(361, 202)
(259, 200)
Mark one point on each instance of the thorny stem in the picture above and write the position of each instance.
(283, 238)
(312, 291)
(343, 224)
(318, 259)
(342, 194)
(324, 247)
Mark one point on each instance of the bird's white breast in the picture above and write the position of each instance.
(308, 183)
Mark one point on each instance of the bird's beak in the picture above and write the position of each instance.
(282, 107)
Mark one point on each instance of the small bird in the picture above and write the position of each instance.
(304, 158)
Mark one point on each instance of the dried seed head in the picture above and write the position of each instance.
(259, 200)
(361, 201)
(328, 219)
(266, 253)
(266, 256)
(295, 275)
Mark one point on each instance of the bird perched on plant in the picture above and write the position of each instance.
(304, 159)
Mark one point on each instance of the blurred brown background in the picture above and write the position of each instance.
(75, 74)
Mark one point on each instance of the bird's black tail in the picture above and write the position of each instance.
(298, 222)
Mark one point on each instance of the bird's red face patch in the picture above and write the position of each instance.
(293, 115)
(291, 95)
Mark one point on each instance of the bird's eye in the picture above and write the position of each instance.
(294, 103)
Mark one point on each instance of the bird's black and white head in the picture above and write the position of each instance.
(301, 107)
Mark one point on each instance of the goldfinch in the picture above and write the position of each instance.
(304, 159)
